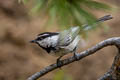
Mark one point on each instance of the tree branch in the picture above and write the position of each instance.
(111, 41)
(114, 72)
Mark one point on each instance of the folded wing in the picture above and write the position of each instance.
(67, 36)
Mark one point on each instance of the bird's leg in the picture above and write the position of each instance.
(59, 63)
(75, 54)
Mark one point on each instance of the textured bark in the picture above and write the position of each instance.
(114, 72)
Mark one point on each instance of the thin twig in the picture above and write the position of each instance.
(111, 41)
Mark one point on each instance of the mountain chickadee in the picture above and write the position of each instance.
(61, 43)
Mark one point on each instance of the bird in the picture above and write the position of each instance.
(64, 42)
(59, 43)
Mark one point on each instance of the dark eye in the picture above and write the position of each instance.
(39, 38)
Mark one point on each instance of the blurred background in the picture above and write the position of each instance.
(19, 59)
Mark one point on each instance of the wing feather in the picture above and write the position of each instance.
(67, 36)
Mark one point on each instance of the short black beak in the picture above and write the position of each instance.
(33, 41)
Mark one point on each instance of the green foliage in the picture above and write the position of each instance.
(61, 76)
(68, 12)
(24, 1)
(97, 5)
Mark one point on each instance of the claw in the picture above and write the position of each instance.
(59, 63)
(76, 57)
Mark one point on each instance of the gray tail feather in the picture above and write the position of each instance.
(102, 19)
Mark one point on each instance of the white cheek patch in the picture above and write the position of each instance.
(49, 42)
(53, 40)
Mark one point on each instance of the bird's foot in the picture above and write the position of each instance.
(59, 63)
(76, 56)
